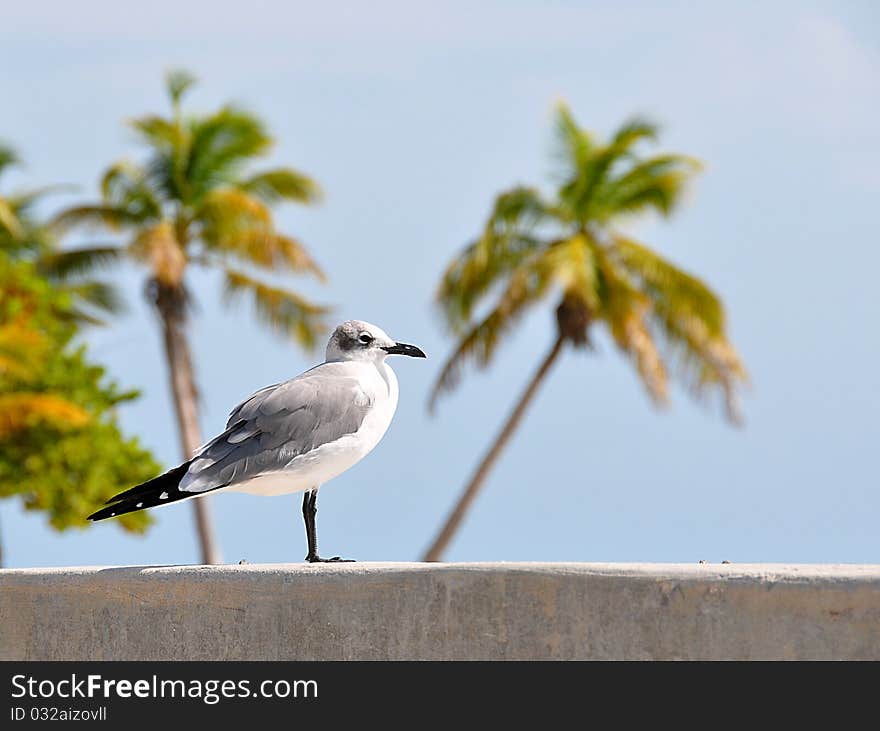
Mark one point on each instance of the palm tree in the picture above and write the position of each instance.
(570, 249)
(194, 201)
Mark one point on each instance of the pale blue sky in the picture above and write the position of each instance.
(412, 116)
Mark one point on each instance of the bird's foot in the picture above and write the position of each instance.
(314, 558)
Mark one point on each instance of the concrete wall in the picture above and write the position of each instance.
(441, 611)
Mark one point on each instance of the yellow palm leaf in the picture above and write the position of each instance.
(264, 248)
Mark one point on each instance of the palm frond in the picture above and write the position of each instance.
(62, 265)
(238, 223)
(226, 210)
(119, 179)
(126, 185)
(626, 310)
(280, 184)
(8, 157)
(165, 175)
(477, 344)
(221, 143)
(585, 162)
(99, 295)
(526, 285)
(634, 336)
(97, 217)
(632, 131)
(177, 83)
(662, 194)
(690, 318)
(164, 172)
(505, 242)
(264, 248)
(575, 144)
(662, 280)
(591, 168)
(586, 186)
(517, 209)
(281, 309)
(656, 183)
(157, 131)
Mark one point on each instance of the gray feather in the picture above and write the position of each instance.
(279, 423)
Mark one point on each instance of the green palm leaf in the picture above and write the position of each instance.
(103, 296)
(93, 217)
(633, 131)
(575, 145)
(662, 280)
(221, 144)
(158, 132)
(506, 240)
(656, 183)
(177, 83)
(8, 157)
(61, 265)
(280, 184)
(527, 284)
(126, 186)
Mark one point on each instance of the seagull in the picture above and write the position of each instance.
(293, 436)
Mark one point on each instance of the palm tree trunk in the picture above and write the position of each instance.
(444, 537)
(170, 304)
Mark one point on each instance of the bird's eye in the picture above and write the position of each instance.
(365, 338)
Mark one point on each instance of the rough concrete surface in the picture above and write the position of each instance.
(417, 611)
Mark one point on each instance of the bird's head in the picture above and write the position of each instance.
(359, 340)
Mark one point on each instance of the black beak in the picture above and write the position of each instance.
(403, 349)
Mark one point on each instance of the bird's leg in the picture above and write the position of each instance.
(310, 510)
(309, 518)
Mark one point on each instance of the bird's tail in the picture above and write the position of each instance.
(158, 491)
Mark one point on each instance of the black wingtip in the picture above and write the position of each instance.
(160, 490)
(103, 514)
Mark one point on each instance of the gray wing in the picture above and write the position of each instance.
(277, 424)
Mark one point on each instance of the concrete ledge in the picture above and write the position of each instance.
(441, 611)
